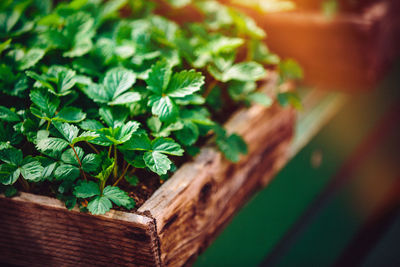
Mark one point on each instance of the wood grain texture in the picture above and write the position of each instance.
(39, 231)
(193, 206)
(173, 226)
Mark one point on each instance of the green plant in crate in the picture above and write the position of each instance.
(93, 101)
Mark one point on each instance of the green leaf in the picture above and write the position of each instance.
(290, 70)
(260, 53)
(125, 132)
(163, 107)
(91, 163)
(9, 174)
(30, 59)
(68, 131)
(157, 162)
(125, 51)
(164, 31)
(246, 25)
(118, 135)
(232, 146)
(91, 125)
(106, 172)
(167, 146)
(87, 189)
(117, 81)
(77, 33)
(126, 98)
(154, 124)
(193, 99)
(11, 155)
(184, 83)
(40, 114)
(215, 99)
(138, 142)
(70, 202)
(66, 172)
(216, 46)
(290, 98)
(260, 98)
(80, 48)
(85, 136)
(111, 8)
(49, 166)
(51, 144)
(4, 45)
(45, 101)
(118, 196)
(132, 180)
(189, 134)
(99, 205)
(65, 79)
(105, 138)
(4, 145)
(113, 90)
(244, 71)
(197, 116)
(8, 115)
(10, 191)
(70, 114)
(159, 77)
(68, 156)
(113, 117)
(167, 128)
(41, 80)
(239, 91)
(32, 171)
(97, 93)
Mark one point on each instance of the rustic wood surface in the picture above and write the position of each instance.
(350, 51)
(181, 218)
(193, 206)
(344, 5)
(39, 231)
(172, 227)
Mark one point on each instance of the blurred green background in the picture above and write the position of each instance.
(335, 203)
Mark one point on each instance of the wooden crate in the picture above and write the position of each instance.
(351, 51)
(172, 227)
(344, 5)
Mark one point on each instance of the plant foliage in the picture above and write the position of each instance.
(92, 91)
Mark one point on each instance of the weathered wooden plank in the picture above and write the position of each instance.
(172, 227)
(352, 50)
(181, 218)
(191, 207)
(39, 231)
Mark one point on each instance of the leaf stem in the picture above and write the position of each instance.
(92, 147)
(79, 161)
(48, 125)
(102, 185)
(109, 151)
(249, 54)
(24, 184)
(122, 175)
(115, 162)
